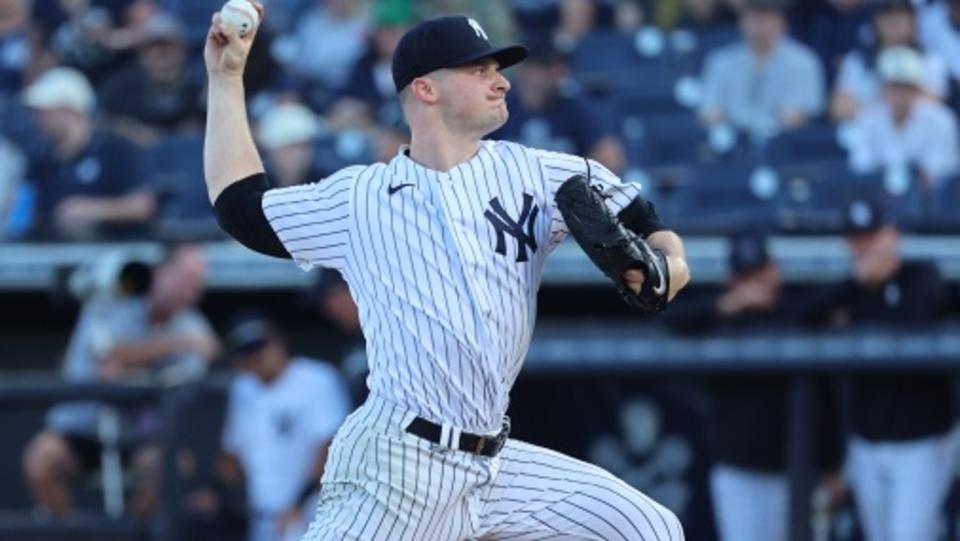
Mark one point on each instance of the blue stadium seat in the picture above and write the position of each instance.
(670, 138)
(942, 209)
(814, 142)
(604, 51)
(814, 195)
(713, 198)
(175, 166)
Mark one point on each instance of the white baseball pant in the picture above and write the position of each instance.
(382, 483)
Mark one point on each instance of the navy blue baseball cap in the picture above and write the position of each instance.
(248, 334)
(748, 252)
(446, 42)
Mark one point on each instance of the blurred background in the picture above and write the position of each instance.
(161, 382)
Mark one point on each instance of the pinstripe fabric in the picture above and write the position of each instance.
(445, 268)
(381, 483)
(447, 318)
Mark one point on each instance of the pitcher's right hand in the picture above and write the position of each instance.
(226, 52)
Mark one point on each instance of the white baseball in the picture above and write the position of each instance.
(239, 14)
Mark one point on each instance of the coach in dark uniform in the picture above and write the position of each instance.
(747, 422)
(899, 452)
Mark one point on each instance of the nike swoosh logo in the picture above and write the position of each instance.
(394, 189)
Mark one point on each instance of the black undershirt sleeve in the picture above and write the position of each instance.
(641, 217)
(239, 211)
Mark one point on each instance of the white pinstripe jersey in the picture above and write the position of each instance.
(444, 267)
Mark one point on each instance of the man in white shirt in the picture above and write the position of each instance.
(281, 415)
(907, 131)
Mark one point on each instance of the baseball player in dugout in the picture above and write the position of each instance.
(443, 249)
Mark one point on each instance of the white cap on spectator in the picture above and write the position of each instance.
(287, 124)
(61, 87)
(901, 65)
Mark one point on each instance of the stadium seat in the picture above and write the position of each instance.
(603, 51)
(175, 165)
(195, 14)
(715, 198)
(678, 137)
(814, 142)
(942, 209)
(815, 193)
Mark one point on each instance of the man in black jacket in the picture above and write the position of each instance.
(747, 422)
(899, 454)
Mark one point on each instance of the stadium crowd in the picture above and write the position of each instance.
(102, 102)
(813, 116)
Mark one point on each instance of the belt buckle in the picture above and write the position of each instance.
(481, 443)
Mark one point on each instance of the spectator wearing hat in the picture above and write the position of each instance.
(899, 456)
(765, 83)
(90, 183)
(287, 132)
(859, 83)
(547, 112)
(907, 130)
(369, 102)
(748, 411)
(282, 413)
(156, 95)
(369, 97)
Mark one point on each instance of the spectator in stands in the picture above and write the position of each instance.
(494, 16)
(95, 37)
(156, 95)
(91, 182)
(766, 83)
(281, 417)
(327, 42)
(705, 16)
(900, 455)
(370, 98)
(908, 130)
(748, 412)
(148, 330)
(940, 35)
(858, 83)
(548, 113)
(14, 47)
(565, 22)
(287, 132)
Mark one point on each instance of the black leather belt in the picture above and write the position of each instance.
(469, 443)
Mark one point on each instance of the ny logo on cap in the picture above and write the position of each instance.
(477, 29)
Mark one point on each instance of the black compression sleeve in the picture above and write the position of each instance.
(239, 212)
(641, 217)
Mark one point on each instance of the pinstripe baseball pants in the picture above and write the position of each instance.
(382, 483)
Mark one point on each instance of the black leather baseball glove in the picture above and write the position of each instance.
(613, 248)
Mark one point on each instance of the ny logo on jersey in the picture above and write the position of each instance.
(477, 29)
(520, 229)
